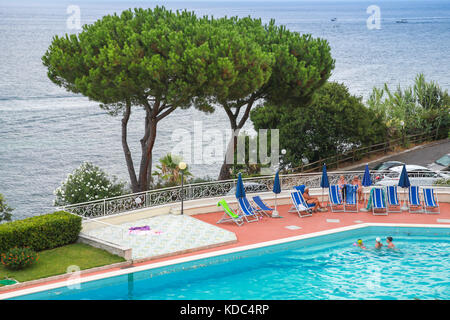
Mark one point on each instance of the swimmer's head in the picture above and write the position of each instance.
(378, 239)
(359, 241)
(389, 239)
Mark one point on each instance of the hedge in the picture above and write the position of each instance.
(40, 232)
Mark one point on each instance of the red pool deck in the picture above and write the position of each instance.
(268, 229)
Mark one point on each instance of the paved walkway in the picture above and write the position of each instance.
(168, 235)
(270, 229)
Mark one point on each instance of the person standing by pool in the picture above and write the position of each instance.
(390, 243)
(378, 243)
(342, 185)
(357, 182)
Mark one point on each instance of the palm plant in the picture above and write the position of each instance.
(168, 171)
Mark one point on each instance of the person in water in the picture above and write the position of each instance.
(378, 243)
(390, 243)
(360, 244)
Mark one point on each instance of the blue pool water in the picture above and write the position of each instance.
(325, 267)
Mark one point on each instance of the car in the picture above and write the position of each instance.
(418, 175)
(387, 165)
(441, 164)
(250, 187)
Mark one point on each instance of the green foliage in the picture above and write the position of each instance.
(19, 258)
(154, 59)
(161, 60)
(5, 210)
(55, 261)
(286, 68)
(238, 63)
(334, 122)
(442, 182)
(168, 173)
(422, 107)
(139, 54)
(302, 65)
(40, 232)
(87, 183)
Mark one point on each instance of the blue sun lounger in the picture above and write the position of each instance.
(301, 188)
(263, 207)
(351, 199)
(378, 203)
(247, 211)
(393, 204)
(414, 204)
(301, 206)
(431, 204)
(335, 198)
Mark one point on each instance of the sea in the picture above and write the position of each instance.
(47, 132)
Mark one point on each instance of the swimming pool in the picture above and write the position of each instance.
(323, 267)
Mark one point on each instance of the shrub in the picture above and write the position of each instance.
(40, 232)
(5, 210)
(87, 183)
(19, 258)
(442, 182)
(333, 123)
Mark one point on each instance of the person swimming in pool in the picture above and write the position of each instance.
(378, 243)
(390, 243)
(360, 244)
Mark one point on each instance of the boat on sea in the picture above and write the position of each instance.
(402, 21)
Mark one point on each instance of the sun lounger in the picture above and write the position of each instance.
(351, 200)
(414, 204)
(301, 188)
(229, 214)
(335, 198)
(378, 203)
(247, 211)
(430, 202)
(393, 204)
(301, 206)
(262, 206)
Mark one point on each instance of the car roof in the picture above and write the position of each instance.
(409, 167)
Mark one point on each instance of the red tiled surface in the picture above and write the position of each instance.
(275, 228)
(271, 228)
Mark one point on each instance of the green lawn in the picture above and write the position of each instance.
(55, 261)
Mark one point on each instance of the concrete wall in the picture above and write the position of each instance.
(110, 247)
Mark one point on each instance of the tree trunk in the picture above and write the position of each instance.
(126, 149)
(154, 114)
(225, 170)
(147, 143)
(148, 164)
(225, 173)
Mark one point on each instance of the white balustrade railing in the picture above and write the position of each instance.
(157, 197)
